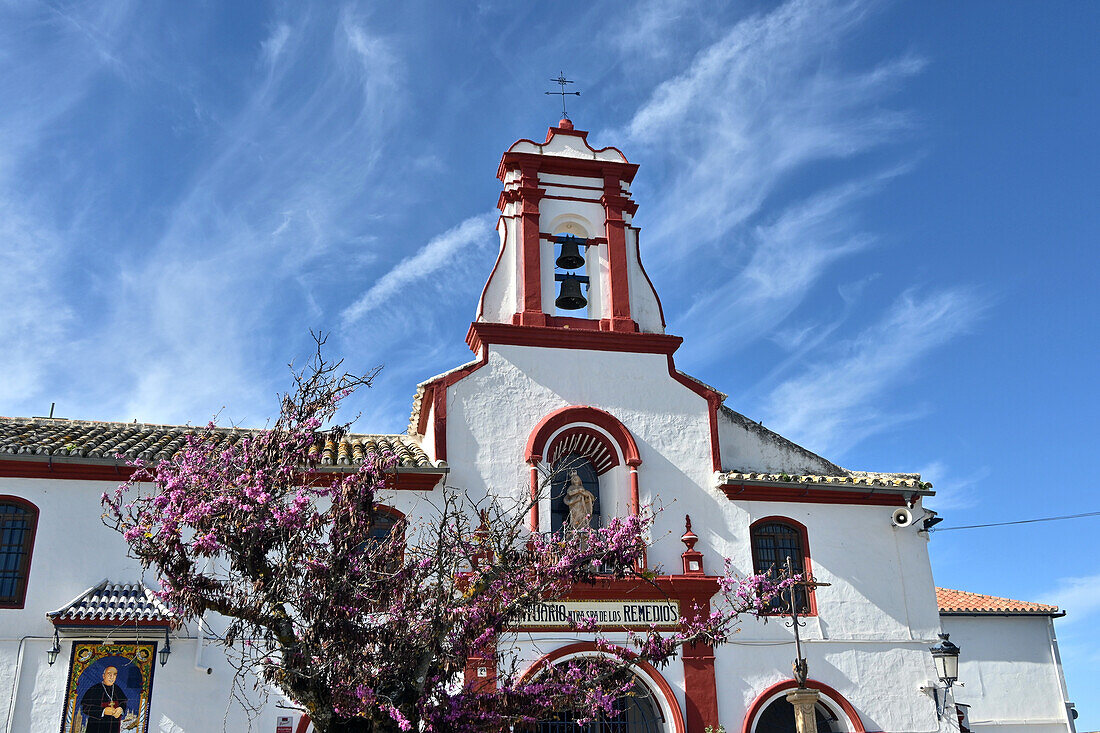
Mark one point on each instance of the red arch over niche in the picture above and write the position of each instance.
(586, 646)
(757, 706)
(536, 444)
(587, 442)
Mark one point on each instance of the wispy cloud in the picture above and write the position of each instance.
(954, 490)
(836, 403)
(436, 255)
(1079, 597)
(788, 256)
(764, 100)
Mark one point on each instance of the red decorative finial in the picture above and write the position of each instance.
(689, 538)
(565, 123)
(693, 559)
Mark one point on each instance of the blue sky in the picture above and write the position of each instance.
(874, 223)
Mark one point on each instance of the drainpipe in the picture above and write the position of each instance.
(1057, 659)
(200, 637)
(15, 683)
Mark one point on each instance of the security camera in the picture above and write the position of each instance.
(901, 517)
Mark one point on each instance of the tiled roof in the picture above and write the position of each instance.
(94, 440)
(114, 603)
(961, 601)
(849, 478)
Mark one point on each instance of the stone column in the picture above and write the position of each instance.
(805, 716)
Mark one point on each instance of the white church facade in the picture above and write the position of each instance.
(570, 357)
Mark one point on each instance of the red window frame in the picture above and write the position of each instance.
(28, 549)
(804, 543)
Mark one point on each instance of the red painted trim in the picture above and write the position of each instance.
(635, 502)
(27, 562)
(419, 481)
(591, 241)
(810, 495)
(548, 184)
(72, 470)
(438, 388)
(533, 519)
(530, 252)
(581, 647)
(835, 697)
(807, 565)
(618, 274)
(569, 198)
(481, 334)
(563, 416)
(43, 467)
(562, 166)
(714, 401)
(113, 623)
(303, 724)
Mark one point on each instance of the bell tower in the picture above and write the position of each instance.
(568, 251)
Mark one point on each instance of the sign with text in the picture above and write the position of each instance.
(605, 613)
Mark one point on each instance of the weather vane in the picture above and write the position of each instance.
(563, 81)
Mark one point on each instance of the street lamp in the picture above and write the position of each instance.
(53, 651)
(946, 656)
(165, 650)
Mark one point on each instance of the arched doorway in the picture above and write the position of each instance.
(637, 712)
(778, 717)
(652, 707)
(771, 713)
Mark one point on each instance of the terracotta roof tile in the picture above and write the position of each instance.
(114, 603)
(90, 439)
(960, 601)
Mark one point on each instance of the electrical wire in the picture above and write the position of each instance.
(1018, 521)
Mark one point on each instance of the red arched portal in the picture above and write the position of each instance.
(768, 695)
(647, 672)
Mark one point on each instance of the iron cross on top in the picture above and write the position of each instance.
(563, 81)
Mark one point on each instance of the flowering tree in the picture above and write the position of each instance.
(372, 633)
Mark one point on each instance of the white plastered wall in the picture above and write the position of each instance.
(72, 552)
(1010, 673)
(870, 641)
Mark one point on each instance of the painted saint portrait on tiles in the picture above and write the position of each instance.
(109, 687)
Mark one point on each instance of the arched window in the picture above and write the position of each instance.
(778, 717)
(18, 522)
(386, 522)
(775, 539)
(636, 712)
(559, 488)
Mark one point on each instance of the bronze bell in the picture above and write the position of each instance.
(570, 257)
(569, 297)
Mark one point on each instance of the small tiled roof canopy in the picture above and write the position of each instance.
(90, 440)
(961, 602)
(116, 605)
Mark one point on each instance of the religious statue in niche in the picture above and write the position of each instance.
(109, 688)
(580, 501)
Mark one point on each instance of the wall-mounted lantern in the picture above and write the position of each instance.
(946, 656)
(53, 651)
(165, 650)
